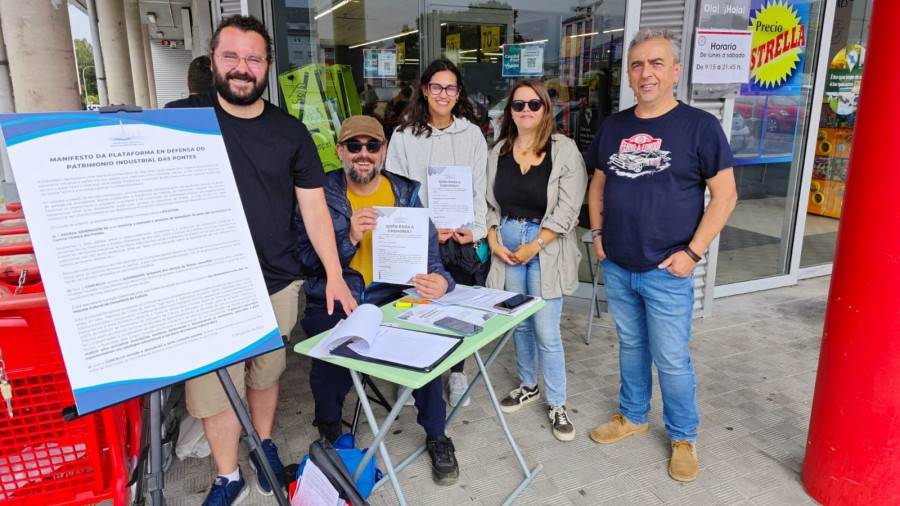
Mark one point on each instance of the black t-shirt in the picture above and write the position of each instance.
(270, 155)
(522, 195)
(656, 171)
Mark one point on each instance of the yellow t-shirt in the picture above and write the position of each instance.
(383, 196)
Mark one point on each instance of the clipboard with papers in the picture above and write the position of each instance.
(361, 336)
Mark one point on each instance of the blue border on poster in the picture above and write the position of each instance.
(23, 127)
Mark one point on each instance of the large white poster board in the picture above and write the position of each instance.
(144, 250)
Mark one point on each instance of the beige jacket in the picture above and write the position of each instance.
(565, 194)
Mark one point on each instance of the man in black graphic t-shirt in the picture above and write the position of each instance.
(276, 168)
(653, 164)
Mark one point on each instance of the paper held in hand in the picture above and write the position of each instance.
(363, 337)
(400, 244)
(450, 196)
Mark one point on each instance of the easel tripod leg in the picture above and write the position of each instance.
(155, 477)
(254, 444)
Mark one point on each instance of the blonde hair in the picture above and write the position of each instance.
(508, 129)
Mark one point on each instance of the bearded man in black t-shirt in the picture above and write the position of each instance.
(276, 168)
(653, 165)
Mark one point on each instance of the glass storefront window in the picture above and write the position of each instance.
(326, 50)
(834, 136)
(768, 134)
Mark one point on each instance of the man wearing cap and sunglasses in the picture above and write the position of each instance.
(352, 195)
(277, 171)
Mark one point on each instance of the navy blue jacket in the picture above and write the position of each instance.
(406, 194)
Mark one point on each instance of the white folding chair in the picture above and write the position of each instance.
(595, 278)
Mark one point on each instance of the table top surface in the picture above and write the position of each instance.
(492, 329)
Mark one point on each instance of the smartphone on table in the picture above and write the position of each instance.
(511, 304)
(456, 325)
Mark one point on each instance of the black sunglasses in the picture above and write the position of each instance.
(356, 146)
(533, 104)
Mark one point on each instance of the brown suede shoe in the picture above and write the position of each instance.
(684, 465)
(616, 429)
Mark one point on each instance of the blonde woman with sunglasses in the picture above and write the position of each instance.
(536, 182)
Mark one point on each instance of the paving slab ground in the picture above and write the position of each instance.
(755, 358)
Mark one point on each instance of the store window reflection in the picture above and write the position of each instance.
(336, 58)
(339, 59)
(768, 129)
(834, 137)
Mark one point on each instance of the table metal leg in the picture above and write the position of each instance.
(529, 474)
(380, 433)
(482, 373)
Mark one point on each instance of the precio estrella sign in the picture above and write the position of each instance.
(779, 43)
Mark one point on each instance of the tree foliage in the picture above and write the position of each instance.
(84, 59)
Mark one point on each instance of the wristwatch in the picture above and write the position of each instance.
(541, 243)
(595, 233)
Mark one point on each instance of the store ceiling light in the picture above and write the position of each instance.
(584, 35)
(614, 30)
(151, 17)
(384, 39)
(331, 9)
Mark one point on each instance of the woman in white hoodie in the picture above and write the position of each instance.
(439, 128)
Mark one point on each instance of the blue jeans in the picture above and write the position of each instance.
(538, 336)
(652, 311)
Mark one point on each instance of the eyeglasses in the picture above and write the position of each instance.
(436, 89)
(231, 60)
(356, 146)
(533, 104)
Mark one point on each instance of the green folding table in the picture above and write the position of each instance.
(500, 325)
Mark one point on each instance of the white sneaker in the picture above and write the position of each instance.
(410, 401)
(457, 384)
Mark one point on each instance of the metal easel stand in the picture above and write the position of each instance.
(155, 476)
(254, 444)
(482, 374)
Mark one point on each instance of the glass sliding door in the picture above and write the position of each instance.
(580, 44)
(834, 135)
(768, 138)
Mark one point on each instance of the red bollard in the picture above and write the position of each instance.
(853, 446)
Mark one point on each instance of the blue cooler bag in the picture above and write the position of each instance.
(352, 456)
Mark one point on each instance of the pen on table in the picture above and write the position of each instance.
(415, 301)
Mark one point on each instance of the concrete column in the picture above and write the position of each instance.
(41, 55)
(136, 53)
(99, 69)
(201, 16)
(148, 62)
(6, 91)
(116, 60)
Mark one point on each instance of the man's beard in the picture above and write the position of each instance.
(224, 89)
(358, 178)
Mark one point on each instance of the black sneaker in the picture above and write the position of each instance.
(444, 468)
(329, 430)
(271, 451)
(519, 397)
(562, 427)
(226, 493)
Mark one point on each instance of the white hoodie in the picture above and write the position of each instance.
(462, 143)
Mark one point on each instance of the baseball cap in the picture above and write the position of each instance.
(361, 125)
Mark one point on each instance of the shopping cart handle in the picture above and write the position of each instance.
(11, 302)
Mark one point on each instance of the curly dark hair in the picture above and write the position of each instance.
(200, 77)
(244, 24)
(416, 114)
